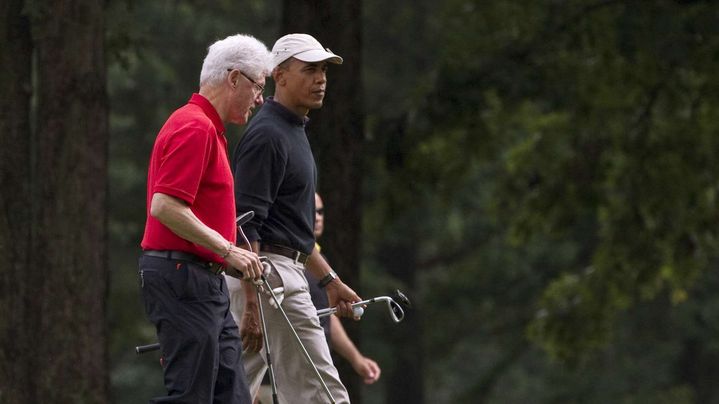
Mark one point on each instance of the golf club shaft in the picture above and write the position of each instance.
(297, 337)
(332, 310)
(268, 356)
(141, 349)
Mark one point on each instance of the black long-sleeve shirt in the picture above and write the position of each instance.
(275, 177)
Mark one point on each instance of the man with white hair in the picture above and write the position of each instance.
(190, 231)
(278, 184)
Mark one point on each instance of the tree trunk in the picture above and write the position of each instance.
(58, 226)
(404, 381)
(15, 200)
(336, 133)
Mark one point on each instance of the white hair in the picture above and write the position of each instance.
(242, 52)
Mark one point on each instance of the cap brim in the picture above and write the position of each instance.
(317, 55)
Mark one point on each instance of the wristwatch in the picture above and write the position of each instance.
(327, 279)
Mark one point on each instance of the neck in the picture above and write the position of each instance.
(286, 102)
(216, 97)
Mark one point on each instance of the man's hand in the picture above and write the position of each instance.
(251, 328)
(247, 262)
(367, 368)
(341, 296)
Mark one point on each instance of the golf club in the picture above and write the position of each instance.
(264, 284)
(297, 337)
(394, 308)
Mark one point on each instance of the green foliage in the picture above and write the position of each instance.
(556, 173)
(627, 152)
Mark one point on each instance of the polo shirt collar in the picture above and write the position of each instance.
(285, 113)
(209, 110)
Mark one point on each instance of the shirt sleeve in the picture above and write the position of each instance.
(259, 164)
(184, 158)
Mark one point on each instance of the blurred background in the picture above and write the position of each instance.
(538, 177)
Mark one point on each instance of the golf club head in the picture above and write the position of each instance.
(245, 217)
(395, 310)
(402, 299)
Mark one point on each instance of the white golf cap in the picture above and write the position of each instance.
(303, 47)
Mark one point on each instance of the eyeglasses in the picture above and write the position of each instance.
(259, 89)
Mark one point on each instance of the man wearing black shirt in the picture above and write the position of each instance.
(278, 184)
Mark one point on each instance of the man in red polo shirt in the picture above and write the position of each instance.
(190, 231)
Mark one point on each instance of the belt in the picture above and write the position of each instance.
(288, 252)
(214, 267)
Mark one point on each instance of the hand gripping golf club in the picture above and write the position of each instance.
(395, 309)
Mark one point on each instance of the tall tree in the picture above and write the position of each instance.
(15, 196)
(54, 204)
(336, 133)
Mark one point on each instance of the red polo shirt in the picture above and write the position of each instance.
(189, 161)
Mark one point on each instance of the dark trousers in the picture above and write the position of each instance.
(200, 343)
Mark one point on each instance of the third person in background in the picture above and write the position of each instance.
(336, 335)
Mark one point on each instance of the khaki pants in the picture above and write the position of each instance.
(295, 378)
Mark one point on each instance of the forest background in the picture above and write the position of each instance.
(539, 177)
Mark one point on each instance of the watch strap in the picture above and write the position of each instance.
(327, 279)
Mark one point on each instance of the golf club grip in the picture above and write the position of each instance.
(332, 310)
(147, 348)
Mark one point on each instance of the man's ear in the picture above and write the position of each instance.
(278, 76)
(232, 78)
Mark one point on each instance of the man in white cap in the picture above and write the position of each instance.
(278, 183)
